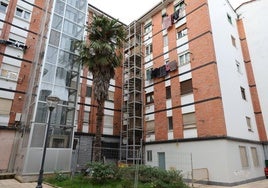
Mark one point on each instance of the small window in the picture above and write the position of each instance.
(3, 7)
(168, 92)
(110, 96)
(149, 74)
(249, 123)
(243, 156)
(5, 106)
(243, 93)
(189, 120)
(170, 123)
(233, 41)
(150, 127)
(19, 12)
(186, 87)
(229, 19)
(149, 49)
(23, 13)
(180, 7)
(149, 98)
(184, 59)
(86, 117)
(182, 33)
(26, 15)
(255, 157)
(88, 91)
(149, 155)
(165, 39)
(238, 67)
(148, 28)
(164, 14)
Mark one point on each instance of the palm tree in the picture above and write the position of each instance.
(101, 54)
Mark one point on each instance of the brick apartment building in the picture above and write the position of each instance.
(202, 110)
(190, 94)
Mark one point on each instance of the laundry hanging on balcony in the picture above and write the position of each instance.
(163, 70)
(167, 22)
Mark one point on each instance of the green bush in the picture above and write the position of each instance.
(109, 175)
(152, 176)
(100, 173)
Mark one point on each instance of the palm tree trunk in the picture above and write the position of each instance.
(97, 142)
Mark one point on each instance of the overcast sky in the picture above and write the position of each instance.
(129, 10)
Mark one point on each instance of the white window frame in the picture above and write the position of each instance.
(3, 7)
(149, 49)
(184, 58)
(148, 28)
(24, 14)
(182, 33)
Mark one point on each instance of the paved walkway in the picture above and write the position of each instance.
(257, 184)
(12, 183)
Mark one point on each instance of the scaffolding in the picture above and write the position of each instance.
(132, 109)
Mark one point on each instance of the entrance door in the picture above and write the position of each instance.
(161, 160)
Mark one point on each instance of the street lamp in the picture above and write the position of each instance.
(52, 102)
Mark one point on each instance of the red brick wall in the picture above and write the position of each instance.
(208, 105)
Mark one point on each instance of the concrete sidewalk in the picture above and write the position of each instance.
(12, 183)
(257, 184)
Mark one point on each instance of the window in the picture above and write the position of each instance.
(180, 5)
(170, 123)
(184, 59)
(23, 13)
(243, 93)
(5, 106)
(233, 41)
(88, 91)
(180, 8)
(149, 98)
(189, 120)
(229, 19)
(148, 27)
(110, 96)
(165, 39)
(243, 156)
(19, 12)
(108, 121)
(186, 87)
(86, 117)
(181, 33)
(168, 92)
(149, 155)
(249, 123)
(238, 66)
(8, 74)
(149, 126)
(149, 49)
(164, 14)
(3, 7)
(255, 158)
(148, 74)
(54, 38)
(58, 141)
